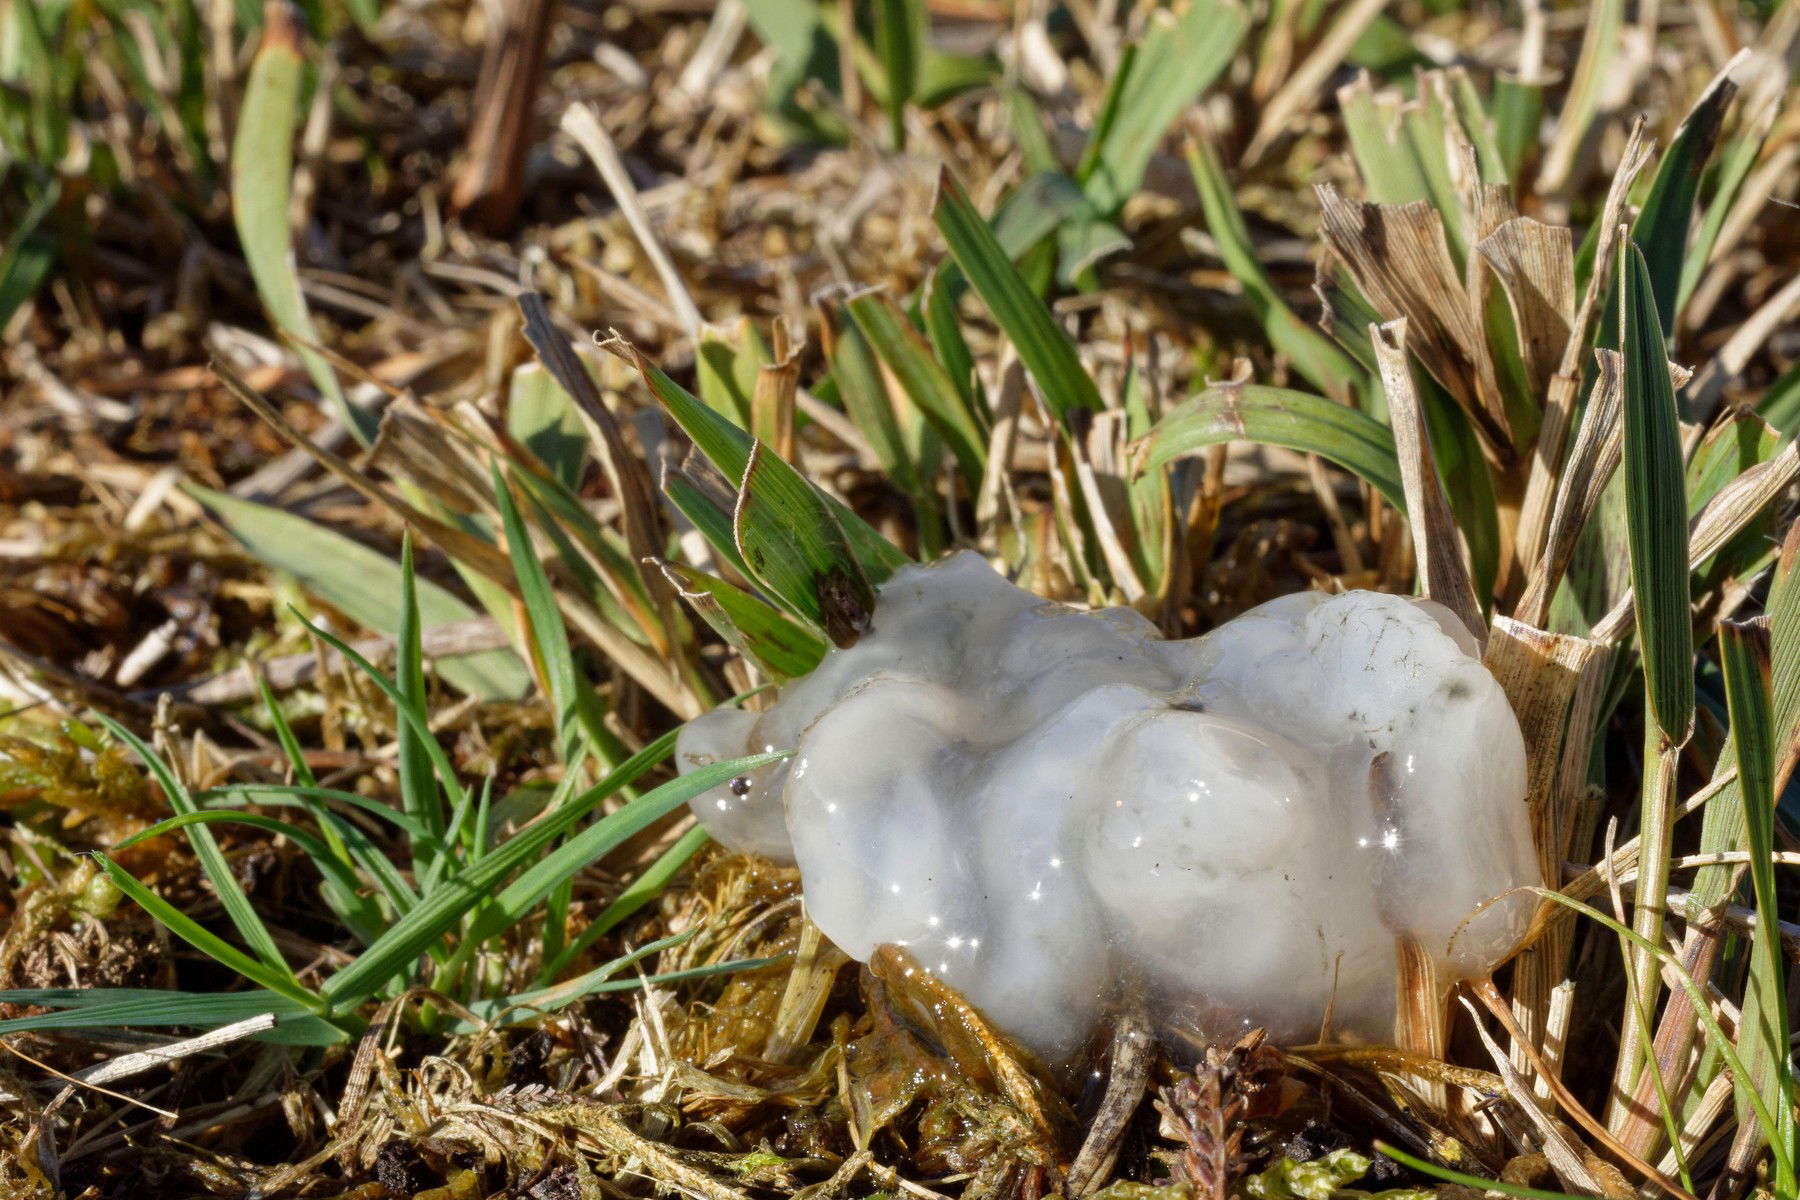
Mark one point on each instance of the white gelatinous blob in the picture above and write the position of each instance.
(1049, 807)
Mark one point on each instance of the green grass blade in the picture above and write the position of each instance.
(474, 886)
(1313, 354)
(250, 927)
(361, 584)
(262, 167)
(281, 982)
(728, 447)
(796, 548)
(1177, 59)
(107, 1008)
(1047, 351)
(419, 795)
(1661, 229)
(541, 417)
(1763, 1028)
(923, 378)
(900, 41)
(1277, 417)
(641, 891)
(1656, 506)
(781, 647)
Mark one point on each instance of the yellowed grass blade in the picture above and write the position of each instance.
(1443, 571)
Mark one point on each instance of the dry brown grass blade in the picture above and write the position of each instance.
(1420, 1027)
(492, 180)
(1127, 1079)
(1443, 572)
(1639, 1124)
(480, 555)
(1399, 258)
(1535, 264)
(815, 968)
(1490, 997)
(1564, 1155)
(1300, 88)
(1542, 485)
(1725, 516)
(1598, 448)
(772, 401)
(1553, 682)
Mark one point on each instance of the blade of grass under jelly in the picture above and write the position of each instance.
(901, 347)
(1047, 351)
(262, 167)
(639, 892)
(1763, 1026)
(436, 914)
(1277, 417)
(795, 547)
(237, 906)
(280, 981)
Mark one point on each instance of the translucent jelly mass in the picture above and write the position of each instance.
(1055, 809)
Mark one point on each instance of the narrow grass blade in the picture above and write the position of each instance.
(419, 795)
(280, 981)
(728, 447)
(547, 871)
(361, 584)
(212, 860)
(795, 547)
(900, 28)
(778, 645)
(924, 379)
(1178, 57)
(1661, 229)
(725, 370)
(262, 167)
(1277, 417)
(1656, 504)
(641, 891)
(467, 889)
(107, 1008)
(1048, 353)
(1763, 1029)
(1313, 354)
